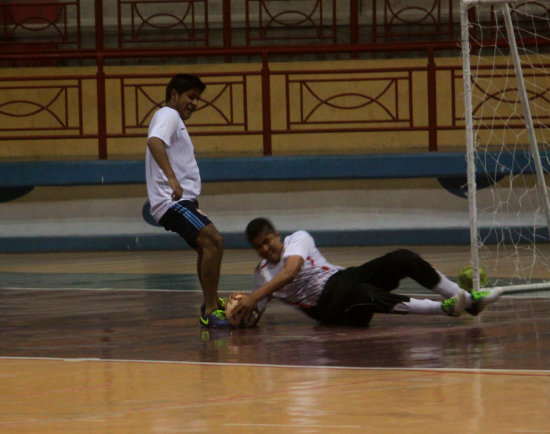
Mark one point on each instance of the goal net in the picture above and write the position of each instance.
(506, 70)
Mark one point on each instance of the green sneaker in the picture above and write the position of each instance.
(222, 302)
(481, 299)
(215, 319)
(454, 306)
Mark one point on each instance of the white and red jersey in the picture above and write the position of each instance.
(304, 291)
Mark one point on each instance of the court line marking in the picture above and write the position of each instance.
(36, 288)
(294, 425)
(527, 372)
(511, 296)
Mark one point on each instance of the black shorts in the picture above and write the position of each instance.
(186, 219)
(353, 295)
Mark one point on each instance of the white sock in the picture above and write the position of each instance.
(447, 288)
(421, 307)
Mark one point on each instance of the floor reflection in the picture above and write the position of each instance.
(163, 325)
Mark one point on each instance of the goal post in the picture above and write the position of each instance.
(506, 75)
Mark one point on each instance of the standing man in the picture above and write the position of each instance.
(174, 185)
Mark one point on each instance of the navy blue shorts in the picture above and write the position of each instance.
(186, 219)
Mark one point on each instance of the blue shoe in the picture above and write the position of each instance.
(481, 299)
(216, 319)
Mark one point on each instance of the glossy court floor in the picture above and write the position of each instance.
(109, 342)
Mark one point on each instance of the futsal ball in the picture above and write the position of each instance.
(465, 278)
(239, 322)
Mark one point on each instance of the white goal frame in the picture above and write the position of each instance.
(504, 9)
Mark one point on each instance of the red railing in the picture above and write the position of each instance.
(57, 113)
(372, 103)
(431, 19)
(276, 20)
(228, 23)
(40, 25)
(164, 21)
(374, 99)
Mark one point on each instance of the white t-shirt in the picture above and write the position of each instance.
(305, 290)
(169, 127)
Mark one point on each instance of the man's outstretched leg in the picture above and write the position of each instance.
(387, 271)
(452, 306)
(352, 303)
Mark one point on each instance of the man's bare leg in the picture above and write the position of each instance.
(210, 252)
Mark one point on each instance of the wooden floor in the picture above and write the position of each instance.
(110, 342)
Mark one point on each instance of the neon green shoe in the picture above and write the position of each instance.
(215, 319)
(482, 299)
(222, 302)
(454, 306)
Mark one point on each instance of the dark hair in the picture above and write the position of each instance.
(258, 226)
(182, 83)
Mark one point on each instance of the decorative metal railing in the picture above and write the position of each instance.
(86, 96)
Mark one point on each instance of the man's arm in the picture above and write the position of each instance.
(292, 266)
(156, 146)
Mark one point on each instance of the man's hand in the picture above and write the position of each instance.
(244, 306)
(177, 189)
